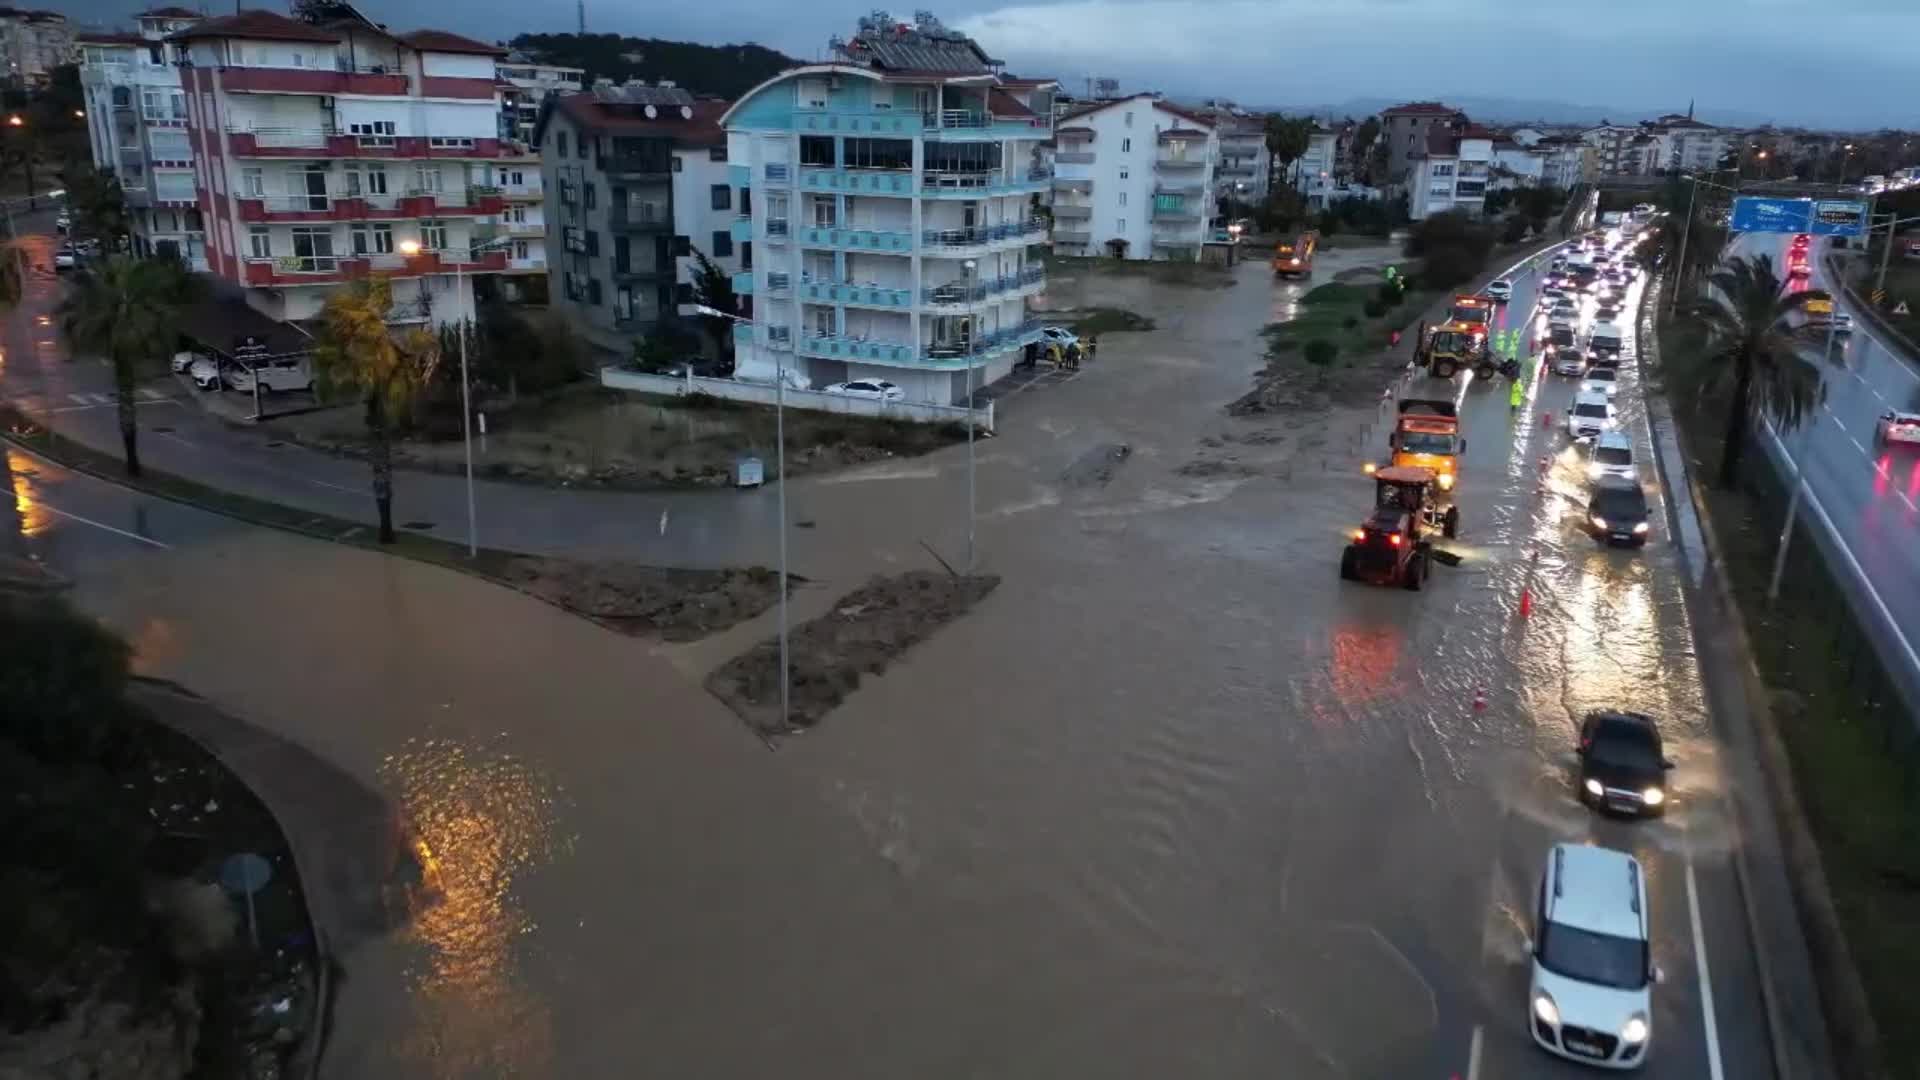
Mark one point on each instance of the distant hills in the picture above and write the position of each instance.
(1521, 110)
(725, 71)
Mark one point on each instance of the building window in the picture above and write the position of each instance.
(589, 198)
(622, 255)
(1128, 119)
(722, 243)
(817, 150)
(746, 255)
(1121, 225)
(1123, 174)
(372, 239)
(878, 154)
(376, 181)
(560, 142)
(450, 142)
(1126, 146)
(677, 163)
(593, 243)
(520, 250)
(580, 151)
(1123, 198)
(426, 179)
(259, 243)
(623, 303)
(433, 235)
(722, 196)
(716, 153)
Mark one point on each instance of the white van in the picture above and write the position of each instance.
(1604, 339)
(277, 374)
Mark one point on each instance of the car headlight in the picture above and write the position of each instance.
(1595, 470)
(1594, 788)
(1635, 1030)
(1653, 796)
(1544, 1008)
(1640, 528)
(1446, 481)
(1598, 521)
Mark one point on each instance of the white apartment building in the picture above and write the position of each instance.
(527, 82)
(1516, 165)
(1241, 172)
(1451, 173)
(700, 170)
(33, 43)
(1564, 160)
(1692, 146)
(1613, 149)
(137, 130)
(1314, 173)
(890, 213)
(327, 152)
(1134, 179)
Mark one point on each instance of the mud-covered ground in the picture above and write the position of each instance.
(647, 601)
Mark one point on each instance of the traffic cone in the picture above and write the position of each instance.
(1526, 602)
(1480, 700)
(1546, 420)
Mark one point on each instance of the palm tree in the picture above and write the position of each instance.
(1287, 140)
(1749, 335)
(128, 309)
(358, 352)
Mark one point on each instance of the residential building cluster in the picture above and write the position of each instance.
(33, 43)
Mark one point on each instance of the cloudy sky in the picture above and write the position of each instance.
(1845, 63)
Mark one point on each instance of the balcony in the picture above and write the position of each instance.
(896, 243)
(857, 181)
(328, 141)
(779, 283)
(833, 347)
(297, 270)
(1175, 214)
(1179, 187)
(1080, 185)
(968, 353)
(852, 295)
(989, 182)
(523, 192)
(266, 80)
(865, 122)
(1072, 236)
(1169, 161)
(964, 122)
(633, 167)
(743, 283)
(533, 263)
(983, 235)
(640, 217)
(961, 294)
(778, 229)
(1069, 212)
(1073, 157)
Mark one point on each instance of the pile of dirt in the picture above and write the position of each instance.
(867, 629)
(1204, 468)
(648, 601)
(1291, 386)
(1096, 466)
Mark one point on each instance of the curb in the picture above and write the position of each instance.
(1835, 978)
(315, 1040)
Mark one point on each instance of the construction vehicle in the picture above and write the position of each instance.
(1426, 435)
(1394, 545)
(1473, 310)
(1449, 348)
(1293, 256)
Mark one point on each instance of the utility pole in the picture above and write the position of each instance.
(580, 13)
(1686, 230)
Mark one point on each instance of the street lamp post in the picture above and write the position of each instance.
(412, 247)
(966, 283)
(1686, 230)
(780, 484)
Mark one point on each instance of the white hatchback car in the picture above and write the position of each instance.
(1591, 996)
(1600, 379)
(1500, 290)
(205, 372)
(1058, 335)
(1612, 456)
(871, 389)
(1590, 415)
(1896, 427)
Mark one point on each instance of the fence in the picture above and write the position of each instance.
(815, 400)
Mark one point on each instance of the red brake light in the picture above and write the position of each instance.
(1394, 539)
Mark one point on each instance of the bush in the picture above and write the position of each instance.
(1350, 321)
(1375, 307)
(1452, 229)
(1513, 229)
(1320, 352)
(1450, 267)
(1392, 292)
(1329, 223)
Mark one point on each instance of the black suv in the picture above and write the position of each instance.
(1622, 765)
(1617, 512)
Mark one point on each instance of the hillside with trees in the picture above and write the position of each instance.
(726, 71)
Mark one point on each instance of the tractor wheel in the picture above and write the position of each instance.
(1415, 572)
(1347, 571)
(1450, 524)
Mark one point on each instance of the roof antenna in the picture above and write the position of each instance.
(580, 11)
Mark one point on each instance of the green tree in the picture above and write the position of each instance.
(1366, 138)
(97, 205)
(1746, 324)
(358, 353)
(723, 71)
(1538, 204)
(713, 287)
(129, 311)
(1287, 141)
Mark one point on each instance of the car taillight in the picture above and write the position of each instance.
(1394, 539)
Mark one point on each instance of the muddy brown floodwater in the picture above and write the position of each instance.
(1171, 801)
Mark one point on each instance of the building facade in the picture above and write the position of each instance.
(1693, 146)
(705, 203)
(327, 152)
(1316, 173)
(1405, 128)
(524, 83)
(1452, 173)
(33, 43)
(621, 221)
(1565, 160)
(1140, 182)
(891, 213)
(1614, 152)
(1241, 172)
(137, 130)
(1516, 165)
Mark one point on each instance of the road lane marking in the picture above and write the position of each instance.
(1473, 1053)
(1857, 446)
(1706, 981)
(52, 509)
(1835, 417)
(78, 399)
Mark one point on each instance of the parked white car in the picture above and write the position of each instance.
(183, 360)
(871, 389)
(276, 375)
(1058, 335)
(1591, 995)
(205, 372)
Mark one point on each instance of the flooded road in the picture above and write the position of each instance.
(1174, 801)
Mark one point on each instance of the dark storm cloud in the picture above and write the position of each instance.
(1841, 62)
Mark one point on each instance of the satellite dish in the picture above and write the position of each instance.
(652, 112)
(686, 112)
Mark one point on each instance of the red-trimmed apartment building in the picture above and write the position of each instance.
(324, 152)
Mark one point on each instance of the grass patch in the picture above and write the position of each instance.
(1095, 321)
(644, 601)
(1856, 764)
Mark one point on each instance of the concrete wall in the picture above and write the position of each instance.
(816, 400)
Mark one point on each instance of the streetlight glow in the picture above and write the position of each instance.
(16, 120)
(409, 247)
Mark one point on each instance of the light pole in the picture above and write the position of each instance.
(1686, 230)
(412, 247)
(1840, 175)
(966, 283)
(780, 483)
(1880, 282)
